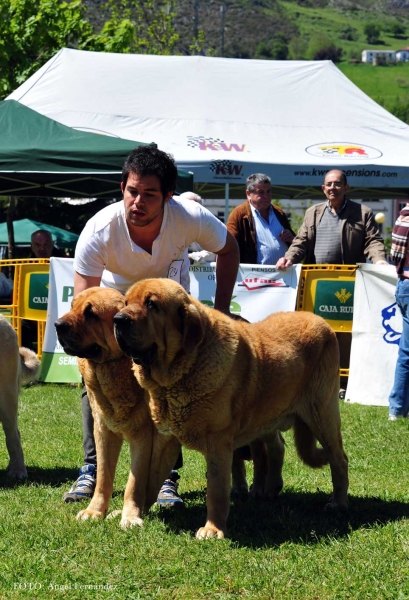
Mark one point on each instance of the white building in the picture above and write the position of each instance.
(402, 55)
(378, 56)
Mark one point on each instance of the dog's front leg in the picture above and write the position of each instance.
(219, 456)
(135, 491)
(108, 446)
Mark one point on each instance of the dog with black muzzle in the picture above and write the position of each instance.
(119, 406)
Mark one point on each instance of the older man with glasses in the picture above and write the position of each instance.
(336, 232)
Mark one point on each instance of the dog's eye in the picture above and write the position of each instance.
(151, 305)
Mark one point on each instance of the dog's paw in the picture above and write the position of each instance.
(239, 493)
(336, 505)
(114, 514)
(128, 522)
(85, 515)
(207, 533)
(18, 473)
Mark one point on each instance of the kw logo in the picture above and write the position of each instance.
(226, 168)
(343, 296)
(213, 144)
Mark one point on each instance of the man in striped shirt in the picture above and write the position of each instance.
(337, 231)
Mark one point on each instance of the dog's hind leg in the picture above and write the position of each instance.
(271, 459)
(8, 417)
(325, 423)
(240, 488)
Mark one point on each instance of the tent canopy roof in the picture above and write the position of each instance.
(227, 118)
(23, 228)
(40, 157)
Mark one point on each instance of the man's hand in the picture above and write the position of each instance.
(283, 263)
(286, 236)
(381, 262)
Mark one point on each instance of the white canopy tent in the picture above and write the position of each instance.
(224, 119)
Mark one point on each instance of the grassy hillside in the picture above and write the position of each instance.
(389, 86)
(345, 27)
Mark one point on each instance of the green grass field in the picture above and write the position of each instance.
(385, 85)
(291, 549)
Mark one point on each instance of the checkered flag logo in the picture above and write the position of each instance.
(217, 165)
(194, 141)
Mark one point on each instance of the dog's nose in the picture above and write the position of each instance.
(121, 319)
(61, 325)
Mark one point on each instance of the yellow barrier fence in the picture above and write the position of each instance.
(328, 291)
(30, 295)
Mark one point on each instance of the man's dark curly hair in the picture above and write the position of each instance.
(149, 160)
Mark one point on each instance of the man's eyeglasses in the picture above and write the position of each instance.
(330, 184)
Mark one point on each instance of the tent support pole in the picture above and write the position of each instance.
(226, 201)
(10, 229)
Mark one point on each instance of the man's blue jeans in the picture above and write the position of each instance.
(399, 396)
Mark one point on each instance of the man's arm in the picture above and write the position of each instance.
(297, 251)
(83, 282)
(227, 265)
(374, 244)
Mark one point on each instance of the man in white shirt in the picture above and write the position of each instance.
(196, 253)
(146, 235)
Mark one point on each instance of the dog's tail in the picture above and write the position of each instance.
(306, 445)
(29, 365)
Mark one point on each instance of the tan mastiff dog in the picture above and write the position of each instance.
(17, 366)
(218, 384)
(119, 407)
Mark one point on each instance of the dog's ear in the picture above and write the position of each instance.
(192, 327)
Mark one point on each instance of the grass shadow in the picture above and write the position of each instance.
(295, 517)
(55, 477)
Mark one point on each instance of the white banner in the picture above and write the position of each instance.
(376, 331)
(259, 291)
(56, 366)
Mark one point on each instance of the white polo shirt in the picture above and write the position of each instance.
(105, 248)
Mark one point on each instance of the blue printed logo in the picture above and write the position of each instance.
(391, 323)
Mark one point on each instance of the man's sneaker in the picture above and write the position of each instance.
(168, 495)
(397, 417)
(84, 487)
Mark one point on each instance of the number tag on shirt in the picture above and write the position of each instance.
(175, 270)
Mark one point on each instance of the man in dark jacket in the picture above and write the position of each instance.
(261, 229)
(337, 231)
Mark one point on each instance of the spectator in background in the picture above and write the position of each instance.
(337, 232)
(261, 229)
(42, 245)
(195, 251)
(6, 287)
(399, 396)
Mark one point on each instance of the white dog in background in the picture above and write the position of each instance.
(17, 366)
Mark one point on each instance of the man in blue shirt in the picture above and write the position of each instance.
(261, 229)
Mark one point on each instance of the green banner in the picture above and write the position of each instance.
(59, 368)
(334, 300)
(38, 291)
